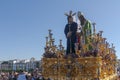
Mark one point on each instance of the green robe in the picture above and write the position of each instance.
(87, 32)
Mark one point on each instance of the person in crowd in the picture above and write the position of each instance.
(21, 76)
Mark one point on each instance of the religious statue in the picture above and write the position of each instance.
(70, 33)
(85, 30)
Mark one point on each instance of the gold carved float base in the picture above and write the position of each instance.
(86, 68)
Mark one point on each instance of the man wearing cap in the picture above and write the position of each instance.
(70, 33)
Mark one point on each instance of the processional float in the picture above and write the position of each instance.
(96, 64)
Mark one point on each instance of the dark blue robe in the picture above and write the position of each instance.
(71, 41)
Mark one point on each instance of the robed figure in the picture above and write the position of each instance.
(86, 30)
(70, 33)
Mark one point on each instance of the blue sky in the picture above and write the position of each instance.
(24, 24)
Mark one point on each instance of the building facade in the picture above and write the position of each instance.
(16, 64)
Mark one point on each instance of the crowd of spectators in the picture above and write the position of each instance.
(22, 75)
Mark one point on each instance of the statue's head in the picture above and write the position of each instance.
(81, 17)
(70, 19)
(70, 16)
